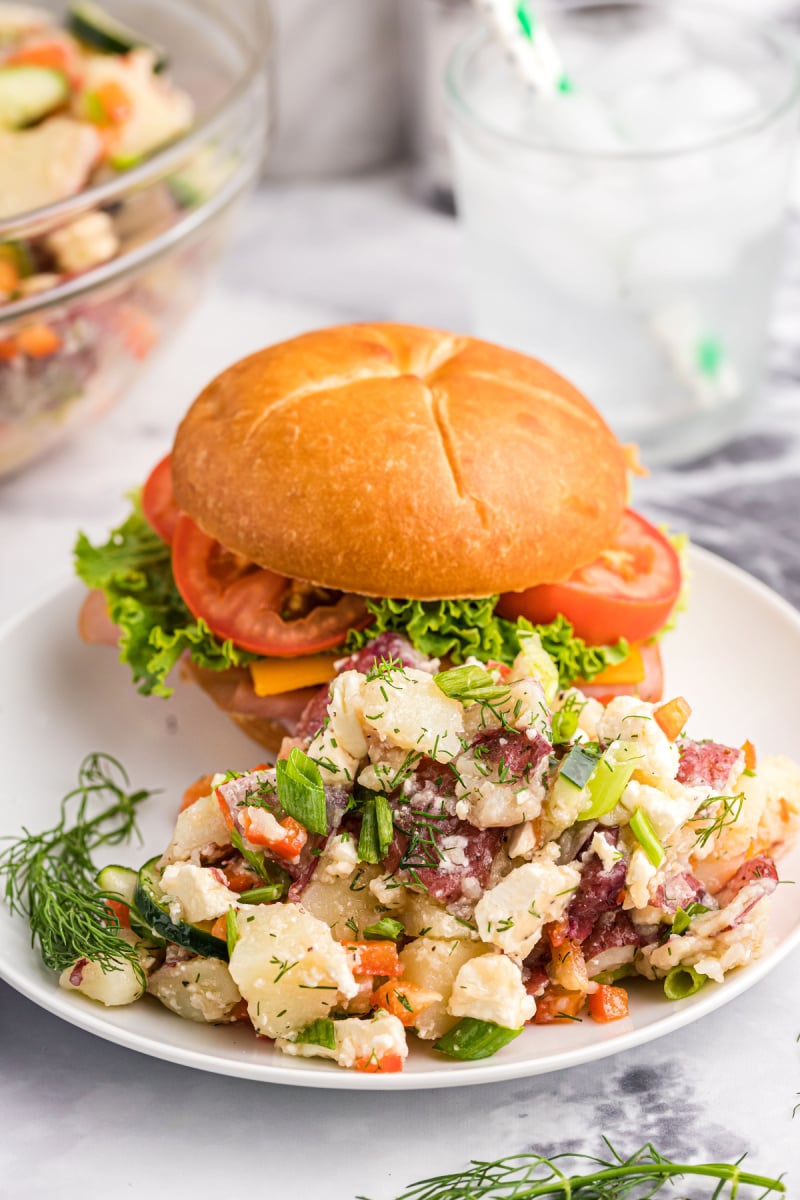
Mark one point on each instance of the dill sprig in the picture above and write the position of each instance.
(527, 1176)
(50, 877)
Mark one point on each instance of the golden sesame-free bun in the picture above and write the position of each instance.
(393, 460)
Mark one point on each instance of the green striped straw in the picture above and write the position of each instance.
(528, 44)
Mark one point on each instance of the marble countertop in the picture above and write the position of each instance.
(80, 1117)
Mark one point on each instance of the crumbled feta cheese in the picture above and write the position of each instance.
(344, 713)
(338, 860)
(369, 1041)
(630, 719)
(334, 762)
(487, 803)
(201, 824)
(357, 1041)
(638, 879)
(668, 806)
(196, 893)
(522, 840)
(409, 710)
(490, 988)
(608, 854)
(388, 892)
(511, 914)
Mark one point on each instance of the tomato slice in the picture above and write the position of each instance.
(651, 688)
(628, 591)
(240, 600)
(158, 502)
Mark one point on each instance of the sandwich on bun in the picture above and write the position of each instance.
(380, 491)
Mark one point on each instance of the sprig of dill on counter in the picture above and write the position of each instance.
(642, 1175)
(50, 877)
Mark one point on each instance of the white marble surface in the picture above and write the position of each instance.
(82, 1118)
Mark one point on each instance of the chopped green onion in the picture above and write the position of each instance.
(578, 766)
(682, 982)
(470, 684)
(386, 928)
(231, 930)
(301, 791)
(377, 829)
(471, 1039)
(642, 829)
(609, 781)
(539, 663)
(564, 724)
(262, 895)
(318, 1033)
(683, 917)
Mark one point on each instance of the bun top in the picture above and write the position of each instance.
(393, 460)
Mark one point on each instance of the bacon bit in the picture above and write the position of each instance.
(38, 341)
(373, 1066)
(76, 974)
(632, 461)
(749, 751)
(608, 1004)
(671, 717)
(621, 894)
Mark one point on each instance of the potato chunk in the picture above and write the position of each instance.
(112, 988)
(288, 968)
(434, 963)
(197, 989)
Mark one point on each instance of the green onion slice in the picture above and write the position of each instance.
(470, 684)
(387, 929)
(682, 982)
(262, 895)
(646, 836)
(471, 1039)
(578, 766)
(267, 870)
(609, 781)
(301, 791)
(318, 1033)
(624, 971)
(231, 930)
(377, 829)
(564, 724)
(683, 917)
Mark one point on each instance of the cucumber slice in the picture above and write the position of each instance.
(119, 880)
(154, 908)
(29, 93)
(90, 24)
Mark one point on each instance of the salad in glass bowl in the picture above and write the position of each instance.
(120, 155)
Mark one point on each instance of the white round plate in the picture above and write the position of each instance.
(734, 656)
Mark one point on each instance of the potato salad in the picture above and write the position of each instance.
(445, 855)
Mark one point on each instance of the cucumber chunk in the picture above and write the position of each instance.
(90, 24)
(119, 880)
(29, 93)
(154, 908)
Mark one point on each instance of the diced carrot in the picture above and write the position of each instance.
(8, 350)
(403, 999)
(122, 911)
(608, 1003)
(195, 791)
(9, 276)
(113, 103)
(56, 55)
(671, 717)
(220, 928)
(383, 1066)
(288, 846)
(224, 809)
(241, 878)
(557, 1004)
(556, 932)
(374, 958)
(38, 341)
(749, 756)
(138, 332)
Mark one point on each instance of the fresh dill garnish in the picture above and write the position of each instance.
(643, 1174)
(727, 815)
(50, 877)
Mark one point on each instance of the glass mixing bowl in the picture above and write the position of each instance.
(171, 214)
